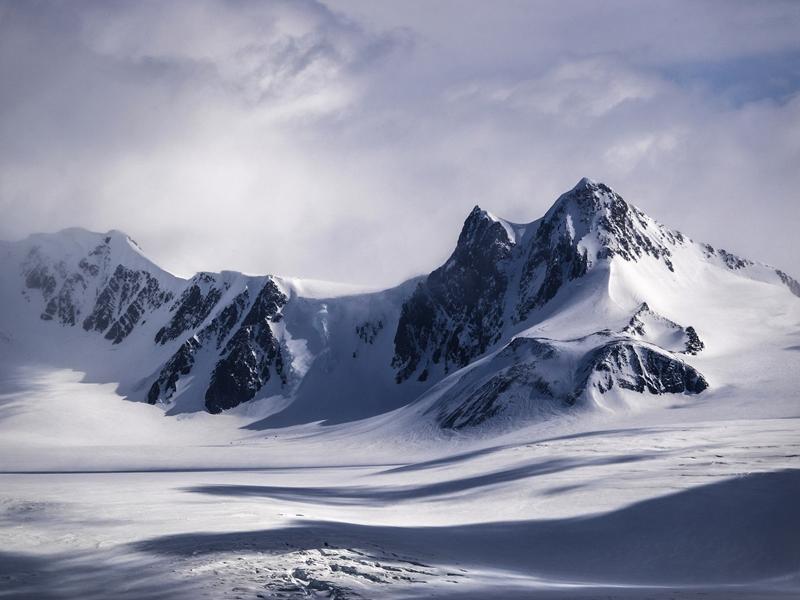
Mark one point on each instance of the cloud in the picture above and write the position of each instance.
(586, 88)
(349, 141)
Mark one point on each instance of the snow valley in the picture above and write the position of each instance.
(587, 405)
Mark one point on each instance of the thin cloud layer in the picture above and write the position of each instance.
(349, 141)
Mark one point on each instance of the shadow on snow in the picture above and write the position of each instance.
(738, 530)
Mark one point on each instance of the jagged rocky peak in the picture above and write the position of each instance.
(482, 229)
(457, 312)
(502, 277)
(101, 281)
(620, 229)
(562, 247)
(587, 225)
(586, 199)
(61, 268)
(500, 271)
(484, 241)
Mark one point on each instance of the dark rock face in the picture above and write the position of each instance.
(223, 324)
(622, 227)
(61, 290)
(252, 356)
(127, 295)
(240, 335)
(64, 306)
(553, 259)
(368, 331)
(639, 368)
(118, 291)
(457, 312)
(39, 276)
(192, 308)
(181, 363)
(693, 342)
(733, 262)
(209, 338)
(122, 297)
(150, 297)
(789, 282)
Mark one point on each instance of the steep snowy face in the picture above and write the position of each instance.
(588, 224)
(456, 314)
(252, 356)
(193, 306)
(233, 347)
(100, 282)
(648, 326)
(536, 377)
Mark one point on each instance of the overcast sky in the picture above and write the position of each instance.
(348, 141)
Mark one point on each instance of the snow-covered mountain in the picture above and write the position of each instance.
(593, 305)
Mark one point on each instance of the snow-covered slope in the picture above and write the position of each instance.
(94, 303)
(589, 405)
(101, 282)
(593, 306)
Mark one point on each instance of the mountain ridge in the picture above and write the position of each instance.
(592, 262)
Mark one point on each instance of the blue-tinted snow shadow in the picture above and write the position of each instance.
(734, 531)
(466, 456)
(441, 490)
(87, 576)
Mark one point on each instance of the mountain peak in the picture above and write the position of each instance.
(79, 241)
(479, 214)
(584, 183)
(116, 234)
(482, 227)
(589, 195)
(480, 220)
